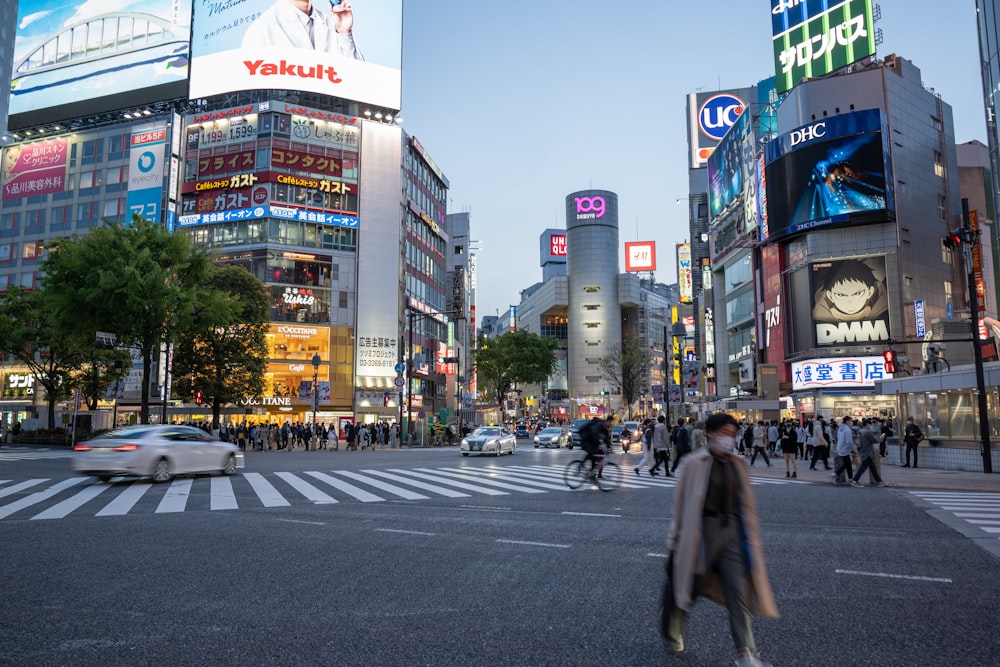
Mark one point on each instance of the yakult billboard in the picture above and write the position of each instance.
(331, 48)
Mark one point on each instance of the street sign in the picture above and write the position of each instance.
(420, 415)
(400, 367)
(400, 381)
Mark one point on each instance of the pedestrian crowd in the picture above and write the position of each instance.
(290, 436)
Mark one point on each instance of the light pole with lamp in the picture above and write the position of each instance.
(315, 388)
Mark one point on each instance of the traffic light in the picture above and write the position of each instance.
(953, 239)
(197, 397)
(889, 357)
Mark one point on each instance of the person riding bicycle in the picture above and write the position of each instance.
(594, 440)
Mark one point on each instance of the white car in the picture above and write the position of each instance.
(159, 451)
(489, 440)
(553, 436)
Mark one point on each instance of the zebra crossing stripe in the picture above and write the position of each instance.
(126, 500)
(176, 497)
(77, 500)
(488, 482)
(448, 482)
(519, 477)
(11, 490)
(384, 486)
(349, 489)
(38, 497)
(268, 495)
(306, 489)
(222, 496)
(450, 493)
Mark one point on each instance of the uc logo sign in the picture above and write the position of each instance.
(718, 113)
(589, 207)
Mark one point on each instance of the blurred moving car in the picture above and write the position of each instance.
(160, 451)
(617, 430)
(521, 432)
(552, 436)
(574, 432)
(489, 440)
(633, 429)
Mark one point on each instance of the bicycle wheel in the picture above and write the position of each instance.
(575, 474)
(610, 478)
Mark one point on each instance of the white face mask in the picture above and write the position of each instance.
(722, 444)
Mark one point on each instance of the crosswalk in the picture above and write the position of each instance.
(46, 498)
(981, 510)
(26, 454)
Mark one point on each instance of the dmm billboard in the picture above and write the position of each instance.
(816, 37)
(832, 171)
(335, 49)
(82, 57)
(850, 302)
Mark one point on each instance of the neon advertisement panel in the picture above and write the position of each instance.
(339, 49)
(850, 302)
(77, 57)
(832, 171)
(838, 372)
(819, 37)
(640, 256)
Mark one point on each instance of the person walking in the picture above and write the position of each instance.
(661, 447)
(790, 449)
(760, 443)
(773, 436)
(867, 451)
(715, 544)
(698, 435)
(647, 446)
(681, 438)
(845, 445)
(911, 438)
(821, 446)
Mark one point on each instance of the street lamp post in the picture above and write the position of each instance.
(315, 392)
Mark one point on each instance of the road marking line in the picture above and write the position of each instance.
(11, 490)
(349, 489)
(535, 544)
(615, 516)
(484, 507)
(449, 493)
(404, 532)
(306, 489)
(221, 496)
(62, 509)
(311, 523)
(125, 500)
(39, 496)
(886, 575)
(265, 491)
(176, 497)
(656, 555)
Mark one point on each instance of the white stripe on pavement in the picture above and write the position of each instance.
(268, 495)
(448, 482)
(885, 575)
(11, 490)
(306, 489)
(535, 544)
(489, 482)
(384, 486)
(176, 497)
(222, 496)
(60, 510)
(449, 493)
(38, 497)
(349, 489)
(127, 499)
(519, 477)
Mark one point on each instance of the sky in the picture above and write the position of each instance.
(521, 104)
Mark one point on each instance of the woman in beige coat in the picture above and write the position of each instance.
(715, 541)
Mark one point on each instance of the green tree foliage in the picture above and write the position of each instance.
(223, 354)
(138, 281)
(29, 334)
(517, 357)
(627, 369)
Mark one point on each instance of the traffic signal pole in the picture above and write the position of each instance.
(971, 238)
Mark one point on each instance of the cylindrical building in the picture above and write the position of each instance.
(594, 317)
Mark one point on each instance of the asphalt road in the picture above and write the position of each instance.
(530, 574)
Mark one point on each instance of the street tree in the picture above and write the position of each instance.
(29, 334)
(626, 368)
(138, 281)
(517, 357)
(223, 355)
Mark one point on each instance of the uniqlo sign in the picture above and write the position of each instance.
(557, 245)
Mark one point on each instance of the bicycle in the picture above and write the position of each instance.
(584, 470)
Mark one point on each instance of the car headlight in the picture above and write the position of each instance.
(465, 443)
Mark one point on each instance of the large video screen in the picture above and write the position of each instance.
(79, 57)
(850, 302)
(829, 172)
(732, 175)
(329, 47)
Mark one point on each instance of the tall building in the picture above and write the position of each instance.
(988, 17)
(298, 173)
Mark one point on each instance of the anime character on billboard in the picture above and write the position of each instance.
(839, 184)
(301, 25)
(850, 302)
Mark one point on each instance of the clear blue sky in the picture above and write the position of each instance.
(522, 103)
